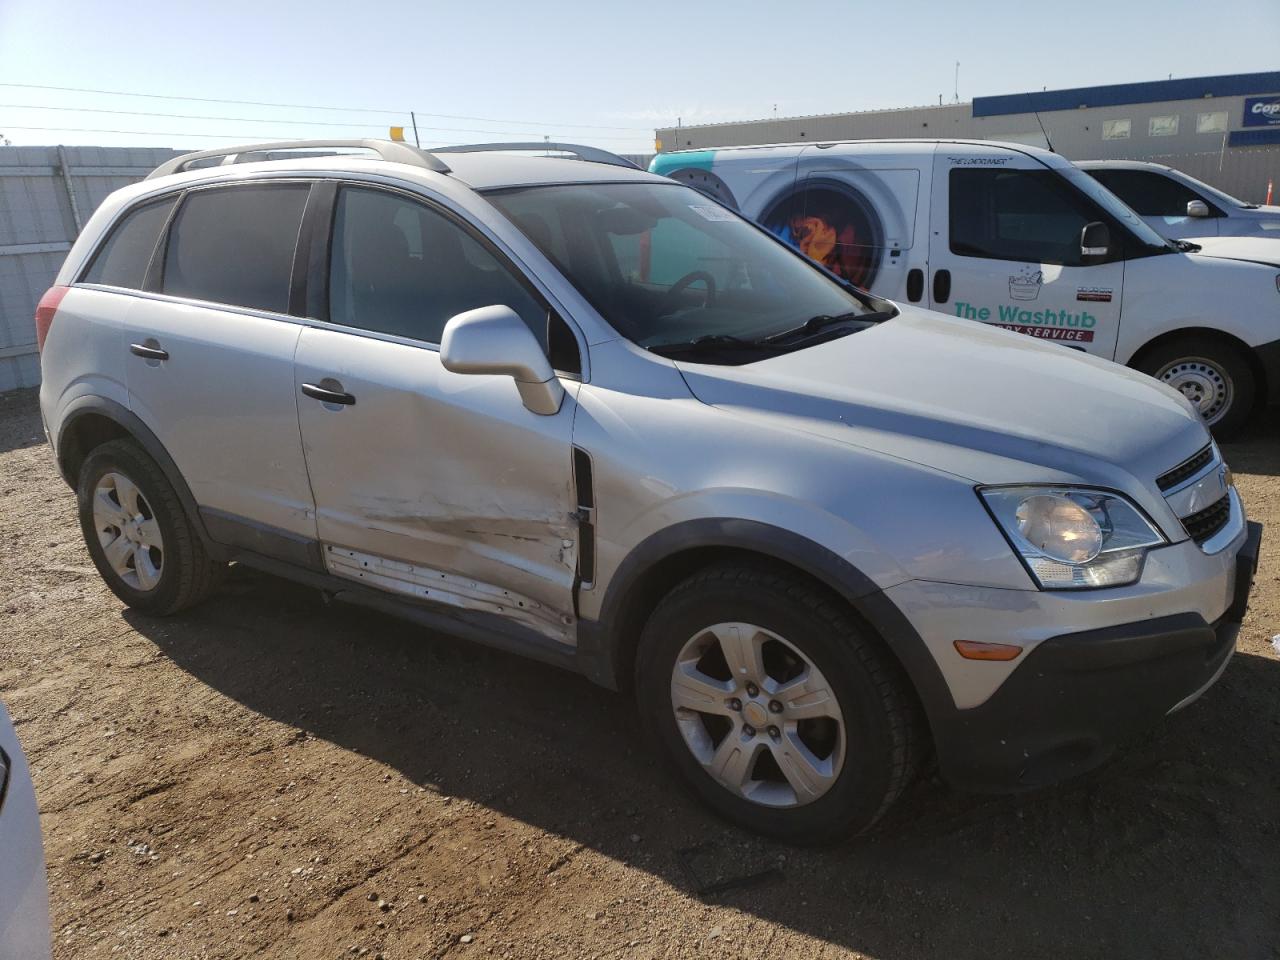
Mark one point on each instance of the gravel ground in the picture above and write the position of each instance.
(268, 776)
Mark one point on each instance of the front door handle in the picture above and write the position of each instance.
(941, 286)
(148, 351)
(332, 393)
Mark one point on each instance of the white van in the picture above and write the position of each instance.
(1018, 237)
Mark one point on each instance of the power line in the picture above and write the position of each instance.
(231, 136)
(303, 106)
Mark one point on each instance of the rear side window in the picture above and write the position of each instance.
(1029, 216)
(122, 261)
(1149, 194)
(235, 245)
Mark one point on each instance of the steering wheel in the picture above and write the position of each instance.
(684, 283)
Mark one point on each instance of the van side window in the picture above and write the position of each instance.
(235, 245)
(1150, 194)
(122, 261)
(399, 267)
(1028, 216)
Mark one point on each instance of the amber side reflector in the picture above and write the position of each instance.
(980, 650)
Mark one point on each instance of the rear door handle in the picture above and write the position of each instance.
(148, 352)
(915, 284)
(328, 394)
(941, 286)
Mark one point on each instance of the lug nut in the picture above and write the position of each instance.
(775, 732)
(752, 689)
(749, 730)
(735, 704)
(775, 706)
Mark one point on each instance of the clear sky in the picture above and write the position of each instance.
(595, 72)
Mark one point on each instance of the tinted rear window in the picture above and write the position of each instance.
(122, 261)
(235, 245)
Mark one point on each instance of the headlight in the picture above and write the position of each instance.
(1073, 538)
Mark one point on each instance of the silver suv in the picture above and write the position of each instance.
(585, 413)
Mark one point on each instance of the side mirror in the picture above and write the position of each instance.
(495, 341)
(1197, 208)
(1095, 240)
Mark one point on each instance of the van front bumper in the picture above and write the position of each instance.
(1075, 697)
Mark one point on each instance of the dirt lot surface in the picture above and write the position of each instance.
(267, 776)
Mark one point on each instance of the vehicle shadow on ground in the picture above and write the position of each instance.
(20, 420)
(1257, 448)
(1171, 849)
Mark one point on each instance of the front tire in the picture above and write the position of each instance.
(138, 534)
(775, 705)
(1214, 375)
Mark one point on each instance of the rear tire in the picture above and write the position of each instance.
(1213, 374)
(841, 736)
(138, 534)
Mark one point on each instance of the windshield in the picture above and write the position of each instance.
(665, 265)
(1113, 205)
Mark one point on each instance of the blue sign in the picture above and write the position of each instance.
(1262, 111)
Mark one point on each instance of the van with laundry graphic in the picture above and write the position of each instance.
(1017, 237)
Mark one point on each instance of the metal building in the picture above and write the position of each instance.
(46, 195)
(1223, 130)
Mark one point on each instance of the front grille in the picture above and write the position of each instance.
(1185, 470)
(1203, 524)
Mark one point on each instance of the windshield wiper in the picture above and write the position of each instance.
(822, 321)
(712, 343)
(1186, 246)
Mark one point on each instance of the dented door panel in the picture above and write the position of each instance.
(434, 475)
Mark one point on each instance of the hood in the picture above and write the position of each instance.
(1264, 250)
(982, 403)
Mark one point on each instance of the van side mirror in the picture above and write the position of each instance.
(1095, 240)
(1197, 208)
(495, 341)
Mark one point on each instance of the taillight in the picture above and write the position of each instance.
(45, 310)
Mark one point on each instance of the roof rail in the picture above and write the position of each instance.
(590, 154)
(389, 150)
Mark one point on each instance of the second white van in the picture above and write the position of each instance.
(1017, 237)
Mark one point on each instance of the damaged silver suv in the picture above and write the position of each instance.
(585, 413)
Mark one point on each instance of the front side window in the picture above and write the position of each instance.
(399, 267)
(122, 261)
(235, 245)
(665, 265)
(1023, 215)
(1150, 194)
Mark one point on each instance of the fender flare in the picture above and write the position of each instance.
(603, 646)
(134, 426)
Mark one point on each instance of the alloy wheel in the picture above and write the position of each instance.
(128, 532)
(758, 715)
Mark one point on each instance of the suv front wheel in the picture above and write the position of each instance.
(775, 705)
(138, 534)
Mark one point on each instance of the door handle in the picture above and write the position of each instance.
(941, 286)
(915, 284)
(148, 352)
(328, 395)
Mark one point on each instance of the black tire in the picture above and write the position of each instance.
(883, 728)
(188, 574)
(1220, 360)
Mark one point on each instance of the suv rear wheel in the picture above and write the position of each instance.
(138, 534)
(775, 706)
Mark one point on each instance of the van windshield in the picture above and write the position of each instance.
(669, 268)
(1116, 207)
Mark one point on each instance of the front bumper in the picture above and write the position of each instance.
(1074, 697)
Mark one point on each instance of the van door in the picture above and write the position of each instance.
(210, 364)
(432, 484)
(1005, 249)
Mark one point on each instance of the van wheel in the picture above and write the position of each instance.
(775, 706)
(138, 534)
(1215, 376)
